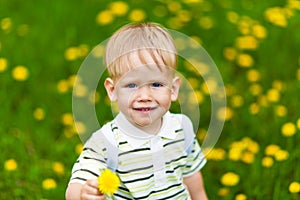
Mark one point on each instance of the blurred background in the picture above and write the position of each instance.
(255, 45)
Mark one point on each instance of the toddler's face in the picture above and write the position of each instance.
(144, 94)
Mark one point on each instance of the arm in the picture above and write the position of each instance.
(195, 186)
(89, 190)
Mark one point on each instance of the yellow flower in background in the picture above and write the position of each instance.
(267, 161)
(223, 192)
(298, 123)
(246, 42)
(225, 113)
(62, 86)
(240, 197)
(253, 75)
(137, 15)
(216, 154)
(230, 179)
(254, 108)
(281, 111)
(67, 119)
(232, 17)
(39, 114)
(3, 64)
(281, 155)
(273, 95)
(271, 149)
(108, 182)
(230, 53)
(245, 60)
(259, 31)
(6, 24)
(79, 148)
(58, 168)
(276, 16)
(105, 17)
(294, 187)
(10, 165)
(119, 8)
(20, 73)
(72, 53)
(237, 101)
(49, 184)
(255, 89)
(288, 129)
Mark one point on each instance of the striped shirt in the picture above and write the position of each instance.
(149, 166)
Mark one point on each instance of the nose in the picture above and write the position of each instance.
(144, 93)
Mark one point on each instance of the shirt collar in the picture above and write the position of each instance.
(137, 137)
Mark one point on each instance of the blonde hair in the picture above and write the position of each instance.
(138, 38)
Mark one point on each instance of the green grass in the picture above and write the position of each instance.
(38, 36)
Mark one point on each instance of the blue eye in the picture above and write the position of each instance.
(157, 84)
(131, 85)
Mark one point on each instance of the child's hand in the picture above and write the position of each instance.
(90, 191)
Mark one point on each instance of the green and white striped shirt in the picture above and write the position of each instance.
(149, 166)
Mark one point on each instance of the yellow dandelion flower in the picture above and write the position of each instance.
(267, 162)
(230, 53)
(237, 101)
(20, 73)
(254, 108)
(39, 114)
(298, 123)
(79, 127)
(281, 111)
(273, 95)
(256, 89)
(276, 16)
(80, 90)
(58, 168)
(288, 129)
(294, 4)
(230, 179)
(3, 64)
(294, 187)
(174, 6)
(67, 119)
(10, 165)
(240, 197)
(6, 24)
(245, 60)
(83, 50)
(216, 154)
(232, 17)
(79, 148)
(225, 113)
(281, 155)
(184, 15)
(259, 31)
(246, 42)
(62, 86)
(271, 149)
(223, 192)
(137, 15)
(235, 154)
(104, 17)
(278, 85)
(253, 75)
(206, 22)
(244, 25)
(248, 157)
(49, 184)
(108, 182)
(119, 8)
(72, 53)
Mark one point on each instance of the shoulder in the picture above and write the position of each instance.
(181, 118)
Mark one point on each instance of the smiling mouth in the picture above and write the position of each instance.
(144, 109)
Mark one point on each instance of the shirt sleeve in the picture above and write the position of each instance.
(195, 160)
(90, 161)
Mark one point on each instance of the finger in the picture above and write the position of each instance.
(89, 188)
(92, 183)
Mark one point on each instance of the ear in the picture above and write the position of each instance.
(110, 89)
(175, 88)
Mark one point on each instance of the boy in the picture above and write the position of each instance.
(153, 161)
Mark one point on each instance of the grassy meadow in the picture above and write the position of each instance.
(255, 45)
